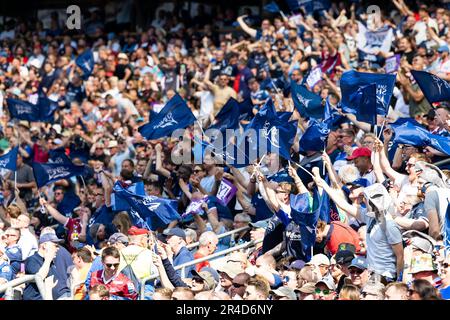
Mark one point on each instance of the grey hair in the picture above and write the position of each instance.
(348, 173)
(207, 237)
(191, 234)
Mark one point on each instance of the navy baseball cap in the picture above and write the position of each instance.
(49, 237)
(175, 232)
(359, 262)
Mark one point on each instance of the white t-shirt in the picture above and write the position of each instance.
(421, 29)
(27, 243)
(206, 103)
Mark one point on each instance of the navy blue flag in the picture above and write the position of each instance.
(284, 116)
(332, 117)
(45, 173)
(103, 215)
(8, 161)
(434, 88)
(47, 109)
(353, 81)
(408, 133)
(366, 100)
(157, 212)
(175, 115)
(307, 103)
(58, 155)
(23, 110)
(314, 138)
(119, 204)
(68, 203)
(246, 109)
(306, 218)
(272, 7)
(85, 62)
(228, 116)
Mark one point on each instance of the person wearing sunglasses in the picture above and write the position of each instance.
(119, 286)
(238, 286)
(444, 289)
(325, 289)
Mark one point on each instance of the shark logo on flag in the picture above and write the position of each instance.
(438, 82)
(57, 172)
(303, 100)
(149, 201)
(168, 120)
(4, 163)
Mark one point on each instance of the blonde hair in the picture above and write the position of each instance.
(349, 292)
(14, 211)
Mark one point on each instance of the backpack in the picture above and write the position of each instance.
(129, 273)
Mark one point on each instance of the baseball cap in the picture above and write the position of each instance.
(112, 144)
(359, 262)
(24, 123)
(344, 257)
(214, 273)
(135, 231)
(431, 114)
(260, 224)
(328, 281)
(207, 277)
(118, 237)
(307, 288)
(319, 259)
(49, 237)
(360, 182)
(122, 56)
(443, 49)
(285, 292)
(360, 152)
(297, 265)
(231, 269)
(57, 142)
(175, 232)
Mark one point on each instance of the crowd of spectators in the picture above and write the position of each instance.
(387, 232)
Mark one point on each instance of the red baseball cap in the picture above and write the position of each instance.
(134, 231)
(360, 152)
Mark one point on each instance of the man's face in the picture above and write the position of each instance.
(225, 280)
(359, 277)
(101, 233)
(173, 242)
(111, 265)
(323, 293)
(212, 246)
(141, 165)
(362, 163)
(257, 234)
(127, 166)
(223, 80)
(393, 294)
(238, 286)
(11, 237)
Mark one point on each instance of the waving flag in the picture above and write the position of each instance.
(306, 102)
(272, 7)
(85, 62)
(118, 203)
(246, 109)
(314, 138)
(156, 212)
(332, 118)
(408, 133)
(352, 81)
(43, 110)
(8, 161)
(434, 88)
(284, 116)
(45, 173)
(228, 116)
(68, 203)
(365, 98)
(175, 115)
(23, 110)
(58, 155)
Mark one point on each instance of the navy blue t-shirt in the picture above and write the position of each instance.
(32, 265)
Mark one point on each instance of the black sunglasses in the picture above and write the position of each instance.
(445, 265)
(109, 265)
(238, 285)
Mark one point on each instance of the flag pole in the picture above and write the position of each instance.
(382, 127)
(301, 167)
(259, 163)
(323, 164)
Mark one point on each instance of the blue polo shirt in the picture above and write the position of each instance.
(32, 265)
(184, 256)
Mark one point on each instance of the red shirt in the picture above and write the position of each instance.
(200, 265)
(39, 155)
(119, 285)
(73, 227)
(341, 233)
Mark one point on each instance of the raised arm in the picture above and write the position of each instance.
(53, 212)
(252, 32)
(159, 168)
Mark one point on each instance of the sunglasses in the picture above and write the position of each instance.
(238, 285)
(325, 292)
(110, 265)
(58, 193)
(356, 271)
(445, 265)
(198, 170)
